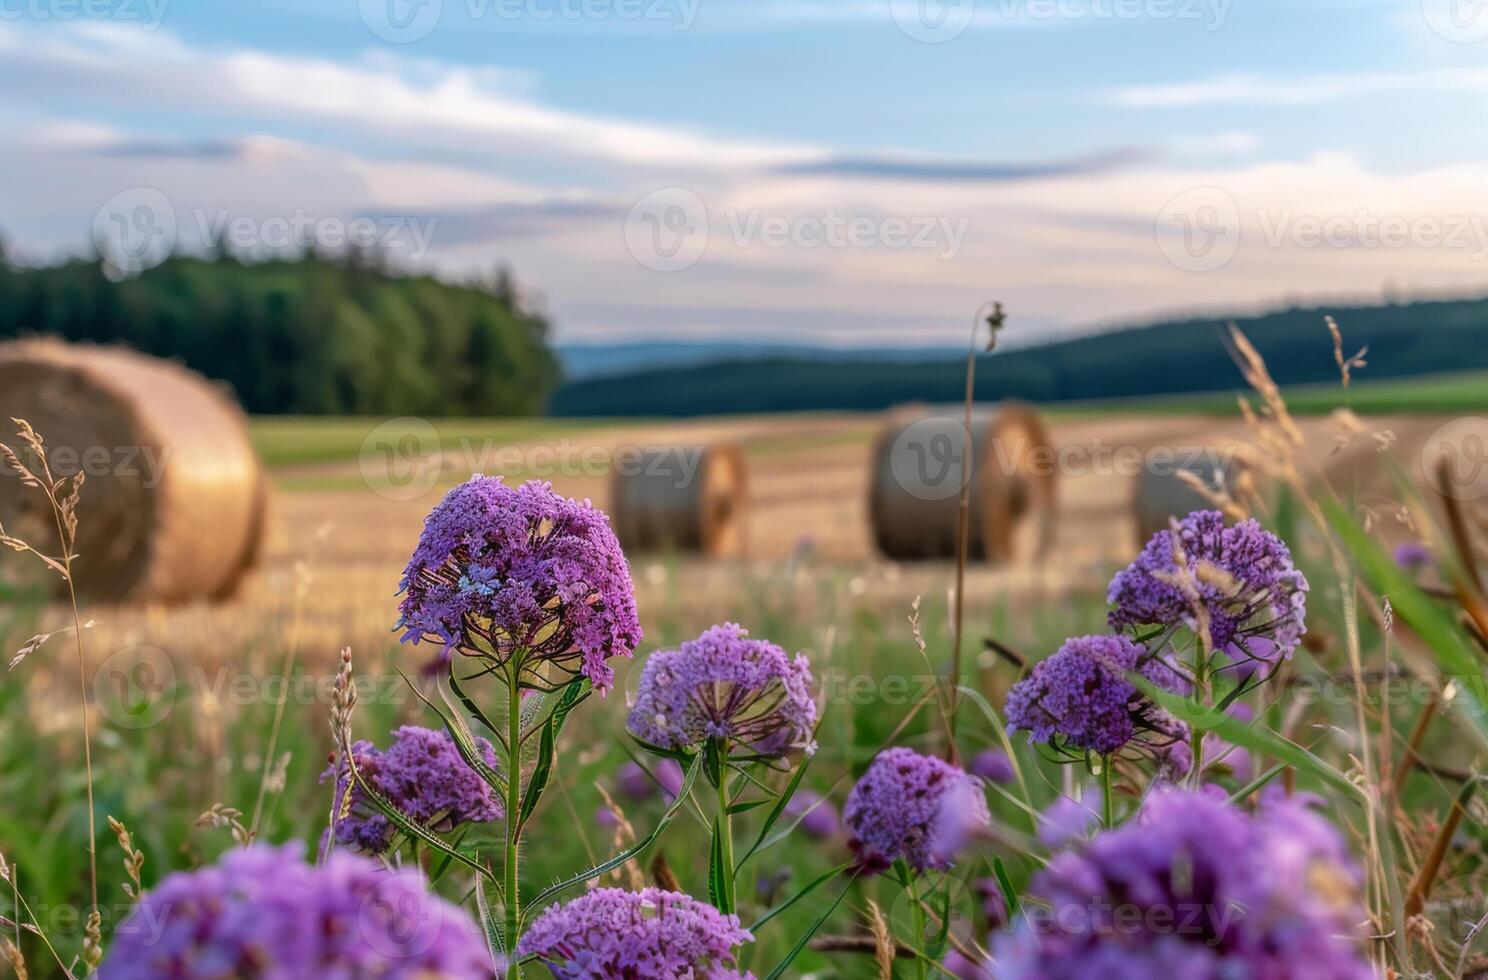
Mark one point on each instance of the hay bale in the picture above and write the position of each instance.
(915, 485)
(1163, 495)
(175, 499)
(679, 498)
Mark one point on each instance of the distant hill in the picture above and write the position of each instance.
(1166, 358)
(582, 362)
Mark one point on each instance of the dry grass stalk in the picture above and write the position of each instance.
(1346, 365)
(62, 495)
(221, 815)
(134, 859)
(12, 955)
(628, 874)
(884, 946)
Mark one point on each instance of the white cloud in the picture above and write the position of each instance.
(1256, 90)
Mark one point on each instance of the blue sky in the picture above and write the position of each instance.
(834, 171)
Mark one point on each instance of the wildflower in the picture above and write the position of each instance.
(1243, 577)
(892, 811)
(1068, 819)
(958, 965)
(613, 934)
(1081, 697)
(1195, 887)
(263, 912)
(423, 775)
(818, 815)
(725, 686)
(666, 777)
(501, 573)
(994, 766)
(1412, 556)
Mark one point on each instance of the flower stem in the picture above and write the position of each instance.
(513, 810)
(1108, 803)
(918, 914)
(726, 833)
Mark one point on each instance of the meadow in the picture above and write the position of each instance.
(212, 722)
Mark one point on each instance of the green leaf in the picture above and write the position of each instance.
(490, 918)
(1009, 893)
(1431, 623)
(541, 771)
(614, 862)
(810, 887)
(1250, 736)
(795, 950)
(463, 739)
(777, 810)
(410, 827)
(748, 805)
(718, 872)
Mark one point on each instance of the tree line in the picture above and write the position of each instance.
(316, 334)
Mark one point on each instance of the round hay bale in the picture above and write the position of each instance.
(1163, 494)
(174, 500)
(680, 498)
(915, 485)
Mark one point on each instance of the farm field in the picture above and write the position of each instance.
(226, 704)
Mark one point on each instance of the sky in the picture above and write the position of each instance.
(837, 172)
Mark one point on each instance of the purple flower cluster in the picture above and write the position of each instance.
(1081, 696)
(262, 912)
(1243, 576)
(1196, 888)
(502, 572)
(727, 686)
(613, 934)
(893, 810)
(818, 815)
(422, 774)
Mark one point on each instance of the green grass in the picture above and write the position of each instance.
(1438, 394)
(308, 440)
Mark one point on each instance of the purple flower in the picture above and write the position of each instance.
(1067, 819)
(423, 775)
(818, 815)
(612, 934)
(994, 766)
(959, 966)
(1081, 697)
(892, 811)
(1198, 889)
(502, 572)
(1243, 576)
(262, 912)
(1412, 556)
(727, 686)
(1221, 755)
(994, 903)
(666, 777)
